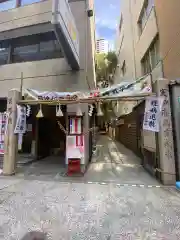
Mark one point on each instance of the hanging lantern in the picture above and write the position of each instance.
(59, 112)
(40, 114)
(79, 112)
(99, 111)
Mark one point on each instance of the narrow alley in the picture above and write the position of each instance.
(116, 199)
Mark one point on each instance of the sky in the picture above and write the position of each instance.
(107, 14)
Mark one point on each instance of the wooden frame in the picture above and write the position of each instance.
(72, 117)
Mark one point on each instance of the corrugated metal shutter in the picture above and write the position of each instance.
(129, 133)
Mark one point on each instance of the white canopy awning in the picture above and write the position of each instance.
(126, 92)
(141, 85)
(48, 95)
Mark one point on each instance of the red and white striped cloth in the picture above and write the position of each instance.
(75, 126)
(79, 141)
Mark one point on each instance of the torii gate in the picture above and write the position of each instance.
(166, 151)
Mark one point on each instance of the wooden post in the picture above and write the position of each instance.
(11, 140)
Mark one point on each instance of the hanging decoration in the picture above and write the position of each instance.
(20, 127)
(99, 110)
(3, 127)
(28, 110)
(152, 114)
(91, 110)
(79, 112)
(20, 141)
(59, 112)
(40, 114)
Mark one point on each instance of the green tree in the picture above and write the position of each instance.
(112, 64)
(100, 67)
(105, 68)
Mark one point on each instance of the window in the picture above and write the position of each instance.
(27, 2)
(4, 51)
(36, 47)
(8, 4)
(30, 48)
(120, 25)
(151, 58)
(123, 69)
(25, 53)
(148, 5)
(146, 68)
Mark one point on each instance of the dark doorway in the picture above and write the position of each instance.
(44, 132)
(51, 139)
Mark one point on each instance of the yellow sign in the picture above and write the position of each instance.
(72, 31)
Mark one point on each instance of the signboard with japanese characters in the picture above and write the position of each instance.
(152, 114)
(3, 126)
(20, 127)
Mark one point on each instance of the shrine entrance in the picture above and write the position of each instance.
(51, 140)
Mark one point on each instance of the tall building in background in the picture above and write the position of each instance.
(102, 46)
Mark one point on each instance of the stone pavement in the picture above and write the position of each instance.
(115, 163)
(70, 211)
(112, 201)
(112, 163)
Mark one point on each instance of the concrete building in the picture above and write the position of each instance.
(29, 46)
(147, 43)
(168, 20)
(138, 41)
(102, 46)
(36, 54)
(137, 44)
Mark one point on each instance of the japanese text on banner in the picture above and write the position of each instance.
(152, 114)
(21, 120)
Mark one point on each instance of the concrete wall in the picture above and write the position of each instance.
(52, 74)
(26, 16)
(124, 45)
(134, 45)
(168, 19)
(145, 39)
(91, 41)
(176, 119)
